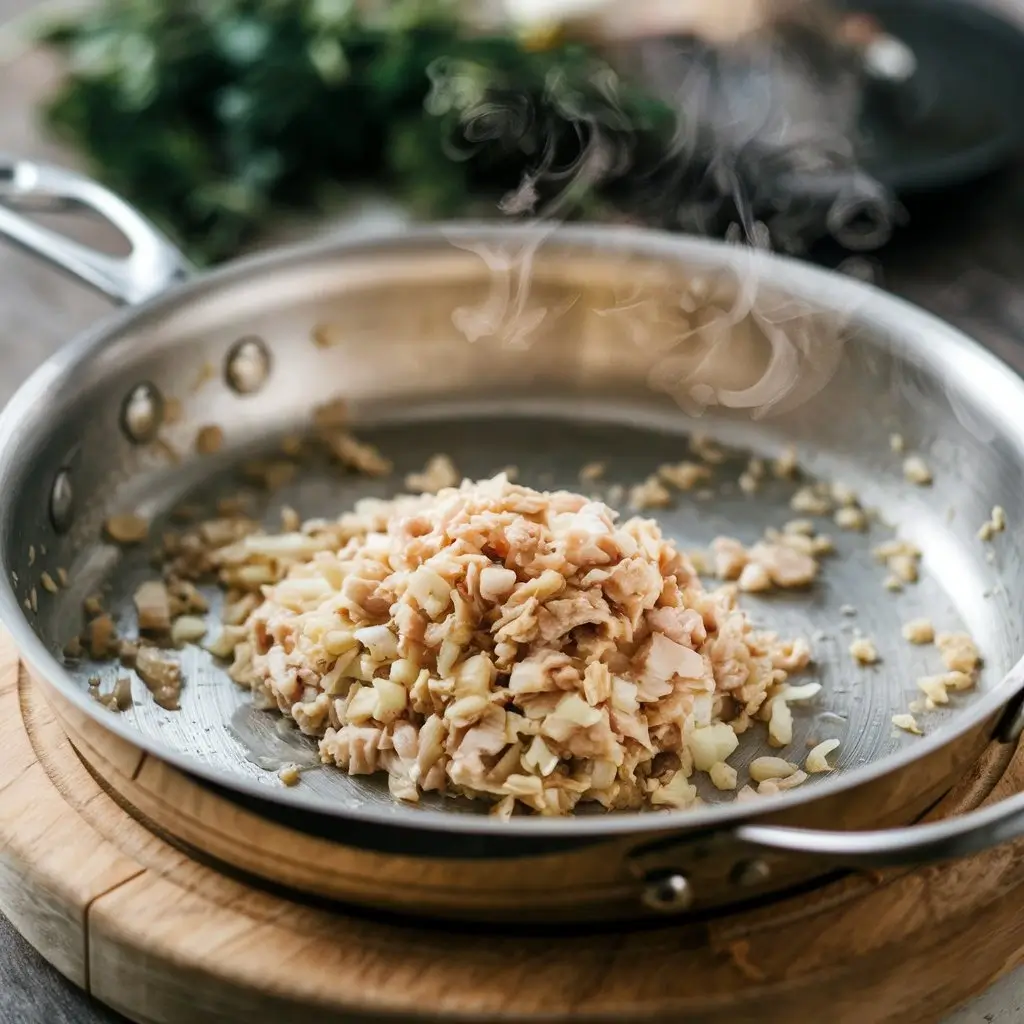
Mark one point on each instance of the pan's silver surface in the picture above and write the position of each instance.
(498, 347)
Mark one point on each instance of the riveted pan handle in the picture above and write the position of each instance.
(152, 265)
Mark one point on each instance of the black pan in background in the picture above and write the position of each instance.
(959, 117)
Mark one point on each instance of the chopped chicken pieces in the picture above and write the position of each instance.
(289, 774)
(996, 523)
(959, 652)
(919, 631)
(440, 472)
(864, 652)
(908, 723)
(505, 644)
(916, 471)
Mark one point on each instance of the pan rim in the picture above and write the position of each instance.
(900, 318)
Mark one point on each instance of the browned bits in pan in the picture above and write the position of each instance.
(126, 529)
(209, 439)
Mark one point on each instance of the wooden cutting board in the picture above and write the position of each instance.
(156, 934)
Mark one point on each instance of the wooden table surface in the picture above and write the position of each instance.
(961, 257)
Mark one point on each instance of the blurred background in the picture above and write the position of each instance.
(880, 137)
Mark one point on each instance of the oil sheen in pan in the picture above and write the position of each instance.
(217, 725)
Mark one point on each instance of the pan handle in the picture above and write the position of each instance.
(152, 265)
(949, 839)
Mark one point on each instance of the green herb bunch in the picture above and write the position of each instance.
(215, 115)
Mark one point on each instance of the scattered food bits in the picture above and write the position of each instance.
(902, 559)
(843, 495)
(270, 474)
(850, 517)
(848, 610)
(683, 475)
(893, 584)
(785, 466)
(706, 450)
(290, 520)
(723, 776)
(592, 471)
(207, 372)
(652, 493)
(817, 759)
(864, 652)
(331, 414)
(118, 700)
(209, 439)
(810, 502)
(754, 578)
(73, 648)
(62, 576)
(31, 555)
(919, 631)
(935, 688)
(908, 723)
(102, 636)
(799, 528)
(49, 585)
(762, 769)
(897, 444)
(33, 600)
(996, 523)
(916, 471)
(127, 529)
(439, 473)
(290, 775)
(187, 629)
(357, 455)
(959, 652)
(161, 675)
(93, 605)
(153, 605)
(748, 483)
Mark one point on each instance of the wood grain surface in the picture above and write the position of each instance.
(163, 938)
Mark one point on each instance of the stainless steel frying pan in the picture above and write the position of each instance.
(546, 349)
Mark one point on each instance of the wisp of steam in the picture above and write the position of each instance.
(762, 152)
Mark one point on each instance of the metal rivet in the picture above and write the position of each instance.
(248, 365)
(142, 413)
(750, 873)
(667, 893)
(62, 499)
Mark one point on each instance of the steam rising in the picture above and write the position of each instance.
(761, 150)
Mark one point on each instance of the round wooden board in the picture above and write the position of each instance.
(163, 938)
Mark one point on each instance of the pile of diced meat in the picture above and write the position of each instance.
(505, 644)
